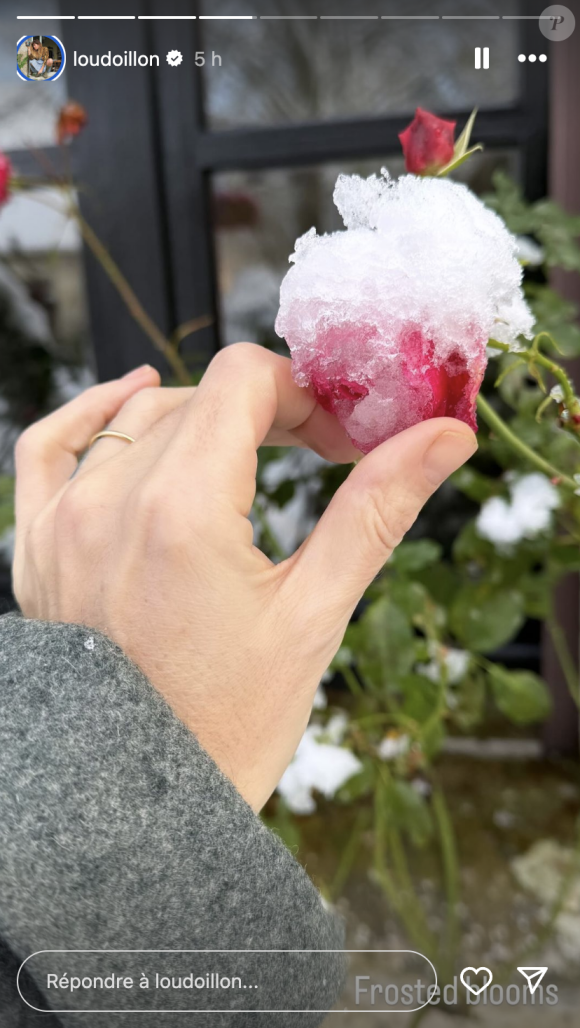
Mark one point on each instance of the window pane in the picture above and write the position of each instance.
(260, 214)
(292, 70)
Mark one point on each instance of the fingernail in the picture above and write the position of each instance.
(449, 451)
(137, 372)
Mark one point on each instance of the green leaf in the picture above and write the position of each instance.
(413, 556)
(557, 231)
(554, 314)
(521, 695)
(458, 161)
(507, 200)
(462, 142)
(361, 784)
(283, 493)
(383, 642)
(407, 811)
(460, 150)
(414, 600)
(470, 546)
(484, 620)
(536, 590)
(563, 558)
(473, 484)
(441, 581)
(432, 738)
(420, 696)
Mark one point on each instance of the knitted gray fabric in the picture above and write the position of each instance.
(118, 831)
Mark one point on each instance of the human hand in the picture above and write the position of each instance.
(151, 544)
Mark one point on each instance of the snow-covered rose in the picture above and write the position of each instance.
(389, 320)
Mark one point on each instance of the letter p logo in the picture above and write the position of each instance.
(557, 23)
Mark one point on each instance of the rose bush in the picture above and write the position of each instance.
(418, 660)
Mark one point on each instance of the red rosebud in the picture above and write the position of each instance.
(71, 120)
(5, 176)
(427, 143)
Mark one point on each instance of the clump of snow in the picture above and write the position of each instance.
(388, 321)
(526, 515)
(320, 763)
(393, 746)
(528, 251)
(452, 661)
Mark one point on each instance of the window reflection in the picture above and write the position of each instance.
(293, 70)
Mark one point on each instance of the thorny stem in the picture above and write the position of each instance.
(348, 856)
(136, 309)
(170, 350)
(405, 903)
(499, 426)
(451, 875)
(534, 356)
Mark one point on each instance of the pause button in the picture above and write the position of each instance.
(478, 56)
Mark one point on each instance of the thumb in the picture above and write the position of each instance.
(374, 508)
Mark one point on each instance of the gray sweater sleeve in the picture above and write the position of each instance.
(118, 832)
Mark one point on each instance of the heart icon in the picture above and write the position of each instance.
(476, 971)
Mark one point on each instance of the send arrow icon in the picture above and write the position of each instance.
(533, 975)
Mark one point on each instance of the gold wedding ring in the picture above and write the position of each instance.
(109, 433)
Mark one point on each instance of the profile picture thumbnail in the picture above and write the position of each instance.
(40, 58)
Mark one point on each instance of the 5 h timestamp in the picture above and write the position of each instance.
(202, 58)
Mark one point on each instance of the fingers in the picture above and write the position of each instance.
(143, 410)
(372, 511)
(247, 397)
(47, 452)
(320, 432)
